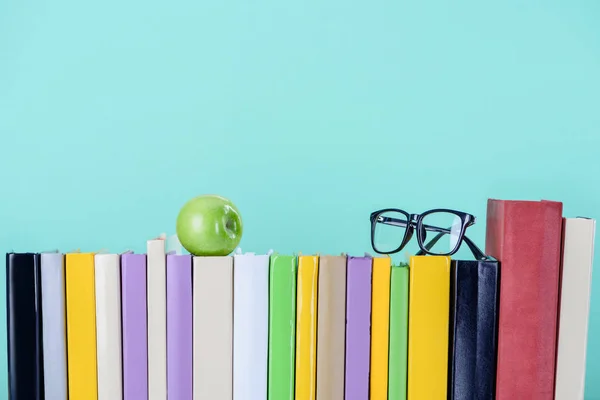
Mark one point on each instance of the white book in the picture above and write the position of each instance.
(157, 319)
(578, 254)
(250, 326)
(54, 326)
(213, 328)
(107, 274)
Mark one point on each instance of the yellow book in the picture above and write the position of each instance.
(306, 327)
(429, 308)
(81, 326)
(380, 326)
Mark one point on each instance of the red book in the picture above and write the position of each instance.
(525, 236)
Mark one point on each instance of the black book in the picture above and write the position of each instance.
(474, 295)
(24, 326)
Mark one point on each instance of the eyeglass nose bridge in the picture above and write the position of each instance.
(413, 219)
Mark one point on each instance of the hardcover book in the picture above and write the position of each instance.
(473, 329)
(107, 269)
(398, 353)
(358, 327)
(250, 326)
(525, 236)
(81, 326)
(429, 298)
(331, 327)
(306, 327)
(282, 326)
(179, 327)
(213, 327)
(157, 319)
(380, 327)
(54, 325)
(24, 326)
(578, 257)
(135, 323)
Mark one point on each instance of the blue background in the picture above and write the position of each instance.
(308, 115)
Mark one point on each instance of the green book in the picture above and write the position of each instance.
(398, 351)
(282, 326)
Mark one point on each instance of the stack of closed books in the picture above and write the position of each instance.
(158, 326)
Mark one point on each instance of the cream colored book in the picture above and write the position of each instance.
(107, 268)
(157, 319)
(578, 254)
(213, 328)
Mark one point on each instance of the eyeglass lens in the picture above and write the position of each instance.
(452, 225)
(389, 231)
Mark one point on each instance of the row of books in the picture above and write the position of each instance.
(256, 327)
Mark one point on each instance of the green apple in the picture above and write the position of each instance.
(209, 225)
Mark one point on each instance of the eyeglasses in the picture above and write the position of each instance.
(392, 229)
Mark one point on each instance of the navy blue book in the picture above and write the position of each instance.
(474, 295)
(24, 326)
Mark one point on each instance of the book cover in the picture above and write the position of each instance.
(157, 318)
(474, 288)
(358, 327)
(135, 323)
(250, 326)
(577, 260)
(24, 326)
(525, 236)
(179, 327)
(398, 353)
(331, 327)
(282, 326)
(380, 327)
(213, 328)
(54, 325)
(306, 327)
(81, 326)
(107, 268)
(428, 326)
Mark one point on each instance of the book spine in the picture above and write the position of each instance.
(135, 349)
(428, 327)
(24, 325)
(474, 313)
(54, 326)
(213, 327)
(250, 326)
(306, 327)
(398, 354)
(81, 326)
(157, 319)
(331, 327)
(358, 327)
(282, 326)
(108, 326)
(525, 236)
(380, 325)
(179, 327)
(578, 255)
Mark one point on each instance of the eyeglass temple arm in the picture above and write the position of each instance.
(403, 223)
(477, 253)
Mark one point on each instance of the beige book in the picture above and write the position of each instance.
(331, 327)
(213, 328)
(578, 254)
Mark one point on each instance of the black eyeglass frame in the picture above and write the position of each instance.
(415, 222)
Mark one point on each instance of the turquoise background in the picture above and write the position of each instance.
(308, 115)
